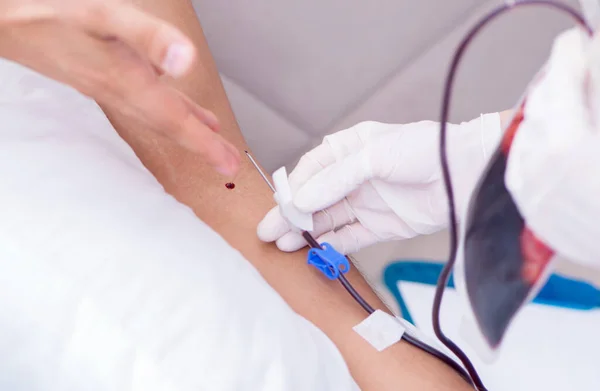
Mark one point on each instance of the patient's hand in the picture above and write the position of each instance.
(114, 52)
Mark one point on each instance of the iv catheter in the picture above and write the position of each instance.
(315, 257)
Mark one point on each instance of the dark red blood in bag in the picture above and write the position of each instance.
(503, 260)
(536, 256)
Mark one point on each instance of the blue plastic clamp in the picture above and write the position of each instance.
(328, 261)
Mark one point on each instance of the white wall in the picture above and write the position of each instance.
(297, 70)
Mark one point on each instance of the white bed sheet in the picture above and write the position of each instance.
(108, 283)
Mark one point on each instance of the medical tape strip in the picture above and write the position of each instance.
(380, 329)
(297, 220)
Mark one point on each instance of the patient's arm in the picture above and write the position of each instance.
(235, 214)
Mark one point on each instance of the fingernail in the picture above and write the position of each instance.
(211, 121)
(231, 166)
(224, 170)
(177, 59)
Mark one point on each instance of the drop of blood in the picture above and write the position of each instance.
(230, 185)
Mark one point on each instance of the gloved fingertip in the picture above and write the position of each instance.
(260, 232)
(291, 242)
(263, 234)
(272, 226)
(178, 58)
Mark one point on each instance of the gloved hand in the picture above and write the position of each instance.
(553, 167)
(375, 182)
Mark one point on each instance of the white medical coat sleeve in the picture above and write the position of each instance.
(108, 283)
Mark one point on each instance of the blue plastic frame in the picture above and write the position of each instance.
(559, 291)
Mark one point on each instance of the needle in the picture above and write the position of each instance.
(307, 236)
(262, 174)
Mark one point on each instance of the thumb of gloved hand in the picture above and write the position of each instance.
(376, 182)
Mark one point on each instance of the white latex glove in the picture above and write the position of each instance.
(375, 182)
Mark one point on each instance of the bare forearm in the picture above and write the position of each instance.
(234, 214)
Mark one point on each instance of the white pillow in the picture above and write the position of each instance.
(108, 283)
